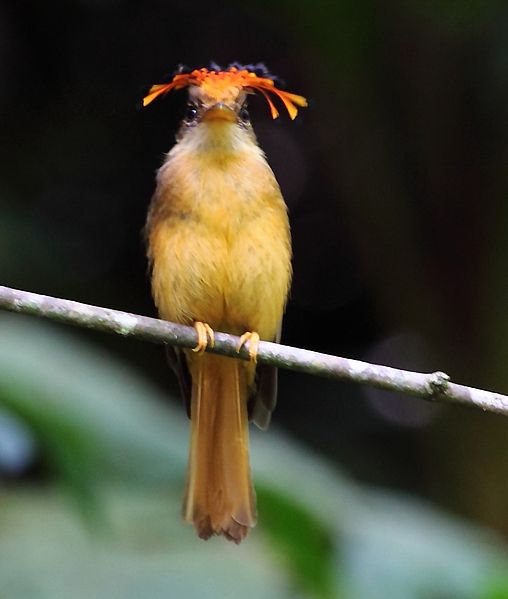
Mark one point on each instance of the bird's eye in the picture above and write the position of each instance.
(244, 114)
(191, 113)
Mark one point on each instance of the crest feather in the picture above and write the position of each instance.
(252, 78)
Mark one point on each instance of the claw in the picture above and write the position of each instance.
(204, 332)
(253, 339)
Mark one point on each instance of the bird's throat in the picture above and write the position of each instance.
(218, 139)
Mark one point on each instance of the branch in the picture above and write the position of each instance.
(433, 387)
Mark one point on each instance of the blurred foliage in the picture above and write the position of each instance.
(104, 432)
(302, 538)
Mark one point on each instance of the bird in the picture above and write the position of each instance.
(219, 250)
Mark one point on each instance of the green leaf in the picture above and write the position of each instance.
(496, 587)
(45, 552)
(302, 538)
(385, 544)
(92, 416)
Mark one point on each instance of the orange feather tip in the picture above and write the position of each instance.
(216, 82)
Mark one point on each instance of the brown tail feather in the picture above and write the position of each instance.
(219, 498)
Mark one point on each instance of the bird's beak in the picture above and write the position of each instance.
(219, 112)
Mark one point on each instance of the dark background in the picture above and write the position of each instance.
(395, 178)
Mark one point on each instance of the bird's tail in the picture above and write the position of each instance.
(219, 498)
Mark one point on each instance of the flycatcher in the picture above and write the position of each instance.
(219, 247)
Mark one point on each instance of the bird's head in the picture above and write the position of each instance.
(219, 96)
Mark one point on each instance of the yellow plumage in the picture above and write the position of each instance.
(219, 246)
(223, 236)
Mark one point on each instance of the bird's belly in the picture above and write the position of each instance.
(235, 280)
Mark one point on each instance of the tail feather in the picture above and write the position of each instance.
(219, 497)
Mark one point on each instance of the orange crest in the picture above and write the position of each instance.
(221, 84)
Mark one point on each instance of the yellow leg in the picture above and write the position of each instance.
(204, 332)
(253, 339)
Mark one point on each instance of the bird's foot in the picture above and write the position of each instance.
(206, 337)
(253, 339)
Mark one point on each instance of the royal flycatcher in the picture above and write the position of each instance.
(220, 253)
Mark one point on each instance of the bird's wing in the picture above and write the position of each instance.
(264, 400)
(178, 363)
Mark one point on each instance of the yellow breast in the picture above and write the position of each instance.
(219, 237)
